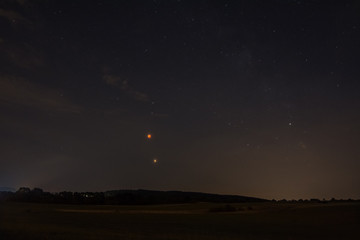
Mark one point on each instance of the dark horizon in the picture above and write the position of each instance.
(320, 199)
(255, 98)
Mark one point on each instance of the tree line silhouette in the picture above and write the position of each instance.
(124, 197)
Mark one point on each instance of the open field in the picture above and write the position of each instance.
(268, 220)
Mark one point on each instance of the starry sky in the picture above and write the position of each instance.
(257, 98)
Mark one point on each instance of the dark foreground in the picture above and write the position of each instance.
(182, 221)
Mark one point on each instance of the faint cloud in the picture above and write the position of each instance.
(18, 91)
(22, 55)
(12, 16)
(123, 84)
(111, 80)
(21, 2)
(302, 145)
(17, 51)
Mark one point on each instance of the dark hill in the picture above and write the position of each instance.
(165, 197)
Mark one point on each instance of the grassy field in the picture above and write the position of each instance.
(182, 221)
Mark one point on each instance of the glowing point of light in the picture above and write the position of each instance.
(149, 136)
(155, 160)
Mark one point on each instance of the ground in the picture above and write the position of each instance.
(268, 220)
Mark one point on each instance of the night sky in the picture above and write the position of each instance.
(256, 98)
